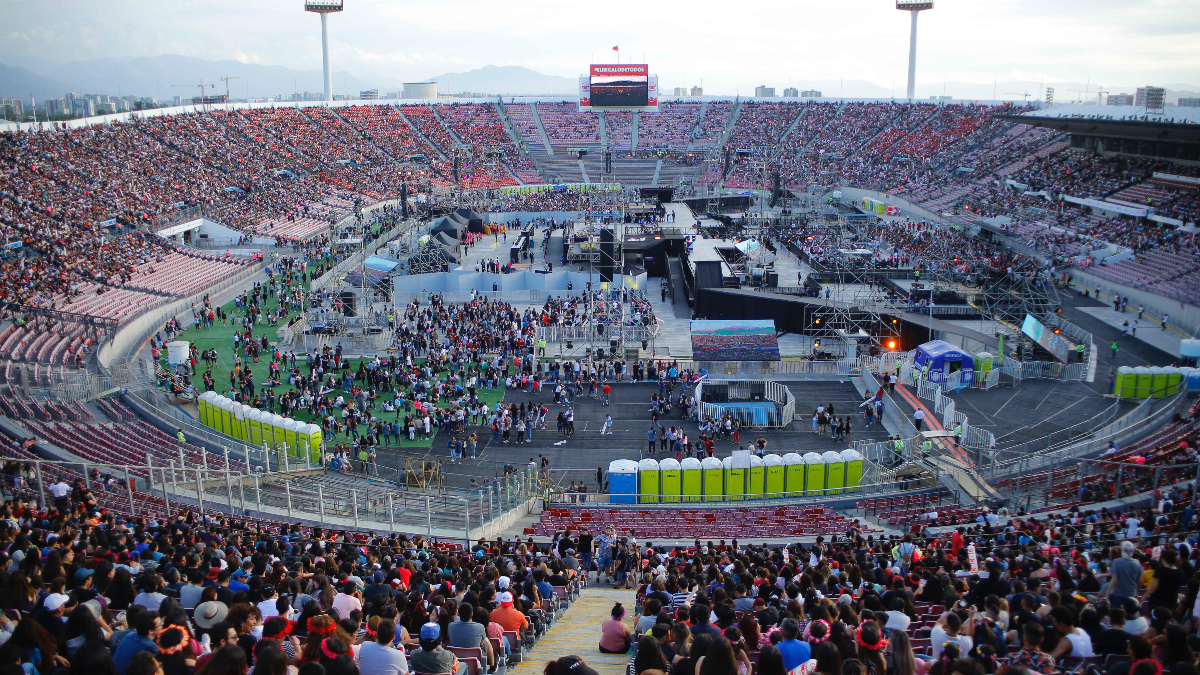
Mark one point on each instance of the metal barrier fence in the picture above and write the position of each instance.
(1095, 480)
(809, 497)
(581, 334)
(531, 297)
(843, 367)
(278, 498)
(781, 415)
(1043, 370)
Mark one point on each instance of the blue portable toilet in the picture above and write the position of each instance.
(939, 358)
(622, 481)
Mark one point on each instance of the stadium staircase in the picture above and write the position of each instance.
(421, 134)
(603, 124)
(517, 141)
(458, 141)
(541, 129)
(803, 111)
(583, 171)
(696, 128)
(633, 132)
(577, 632)
(657, 171)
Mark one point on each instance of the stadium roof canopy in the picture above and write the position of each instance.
(1176, 124)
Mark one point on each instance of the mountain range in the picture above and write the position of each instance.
(169, 75)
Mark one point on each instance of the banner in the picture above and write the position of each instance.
(617, 70)
(585, 92)
(652, 92)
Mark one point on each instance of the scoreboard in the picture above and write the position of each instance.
(619, 86)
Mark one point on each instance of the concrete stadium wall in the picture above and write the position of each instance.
(1183, 316)
(906, 207)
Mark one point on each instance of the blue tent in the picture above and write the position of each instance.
(940, 358)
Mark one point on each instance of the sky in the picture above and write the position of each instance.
(729, 47)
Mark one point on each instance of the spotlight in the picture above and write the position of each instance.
(891, 344)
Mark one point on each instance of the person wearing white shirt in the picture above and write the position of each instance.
(947, 630)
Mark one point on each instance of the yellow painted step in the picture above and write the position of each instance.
(578, 632)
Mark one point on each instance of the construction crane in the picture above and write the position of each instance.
(200, 86)
(1017, 93)
(226, 80)
(1100, 96)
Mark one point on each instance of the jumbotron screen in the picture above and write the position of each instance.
(620, 85)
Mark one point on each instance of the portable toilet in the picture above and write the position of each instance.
(254, 427)
(1193, 381)
(776, 476)
(622, 481)
(203, 402)
(1145, 381)
(669, 477)
(313, 431)
(691, 479)
(714, 479)
(814, 473)
(1126, 383)
(241, 413)
(854, 469)
(755, 484)
(648, 481)
(835, 471)
(1189, 352)
(1158, 381)
(291, 430)
(735, 480)
(278, 423)
(226, 416)
(1175, 378)
(983, 364)
(794, 465)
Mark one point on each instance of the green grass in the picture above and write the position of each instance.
(220, 337)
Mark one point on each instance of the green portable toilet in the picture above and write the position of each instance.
(735, 480)
(814, 473)
(1158, 382)
(1145, 381)
(254, 428)
(202, 402)
(714, 479)
(854, 469)
(1126, 383)
(691, 478)
(669, 477)
(291, 435)
(226, 416)
(312, 433)
(835, 471)
(776, 476)
(279, 433)
(648, 487)
(794, 469)
(983, 364)
(756, 482)
(244, 422)
(1175, 380)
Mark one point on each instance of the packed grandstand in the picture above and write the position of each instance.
(136, 541)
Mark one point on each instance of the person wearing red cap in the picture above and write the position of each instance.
(509, 618)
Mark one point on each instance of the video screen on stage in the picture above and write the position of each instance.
(717, 340)
(621, 85)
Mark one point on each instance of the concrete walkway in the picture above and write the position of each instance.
(578, 632)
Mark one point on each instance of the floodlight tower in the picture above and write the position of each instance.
(913, 6)
(325, 8)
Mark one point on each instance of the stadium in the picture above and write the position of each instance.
(810, 385)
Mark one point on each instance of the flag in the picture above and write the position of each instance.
(616, 49)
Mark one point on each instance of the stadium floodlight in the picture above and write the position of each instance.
(324, 8)
(913, 6)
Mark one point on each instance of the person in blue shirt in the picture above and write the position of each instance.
(795, 652)
(148, 625)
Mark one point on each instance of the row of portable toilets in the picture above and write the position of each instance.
(712, 479)
(1154, 381)
(258, 428)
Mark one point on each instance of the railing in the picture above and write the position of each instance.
(1043, 370)
(156, 490)
(821, 496)
(1095, 480)
(531, 297)
(584, 333)
(780, 415)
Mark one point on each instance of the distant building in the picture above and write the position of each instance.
(1120, 99)
(340, 97)
(1189, 103)
(393, 94)
(210, 100)
(369, 95)
(764, 92)
(84, 107)
(1144, 93)
(13, 108)
(419, 90)
(178, 100)
(681, 91)
(697, 91)
(57, 106)
(810, 93)
(791, 92)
